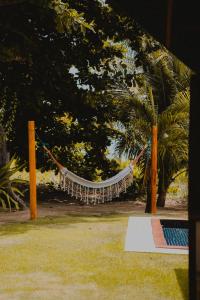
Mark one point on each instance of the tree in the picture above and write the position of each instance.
(170, 80)
(173, 143)
(172, 118)
(54, 66)
(58, 58)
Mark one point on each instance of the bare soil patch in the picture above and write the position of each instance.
(58, 203)
(56, 207)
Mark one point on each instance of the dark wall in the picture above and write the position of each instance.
(185, 24)
(186, 32)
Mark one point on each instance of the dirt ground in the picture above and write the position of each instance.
(55, 207)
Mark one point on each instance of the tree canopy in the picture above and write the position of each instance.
(59, 63)
(55, 57)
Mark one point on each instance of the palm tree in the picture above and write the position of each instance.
(173, 143)
(170, 82)
(173, 126)
(138, 112)
(159, 93)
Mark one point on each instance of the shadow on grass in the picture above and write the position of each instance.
(182, 278)
(56, 222)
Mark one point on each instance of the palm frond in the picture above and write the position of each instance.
(8, 184)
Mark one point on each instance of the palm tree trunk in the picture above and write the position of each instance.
(163, 186)
(162, 198)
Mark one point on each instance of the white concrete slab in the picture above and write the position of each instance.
(139, 237)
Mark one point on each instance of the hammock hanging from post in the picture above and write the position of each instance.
(94, 192)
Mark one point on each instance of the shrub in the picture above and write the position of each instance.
(9, 191)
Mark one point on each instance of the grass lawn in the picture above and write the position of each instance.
(79, 258)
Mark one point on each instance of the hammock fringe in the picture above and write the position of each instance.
(95, 192)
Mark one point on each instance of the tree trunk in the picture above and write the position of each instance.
(162, 198)
(148, 203)
(163, 186)
(3, 149)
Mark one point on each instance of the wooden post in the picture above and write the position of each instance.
(154, 169)
(32, 170)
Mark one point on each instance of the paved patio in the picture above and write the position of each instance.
(139, 237)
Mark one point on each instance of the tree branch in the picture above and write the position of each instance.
(178, 175)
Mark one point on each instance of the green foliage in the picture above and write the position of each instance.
(42, 43)
(8, 185)
(167, 106)
(68, 19)
(58, 58)
(81, 145)
(7, 109)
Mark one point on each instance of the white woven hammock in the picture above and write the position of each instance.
(95, 192)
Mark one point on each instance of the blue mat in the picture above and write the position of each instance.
(176, 236)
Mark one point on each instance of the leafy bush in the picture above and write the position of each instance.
(9, 191)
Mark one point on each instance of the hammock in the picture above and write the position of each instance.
(94, 192)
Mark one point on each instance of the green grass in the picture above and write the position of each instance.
(79, 258)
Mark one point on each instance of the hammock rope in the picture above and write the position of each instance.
(91, 192)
